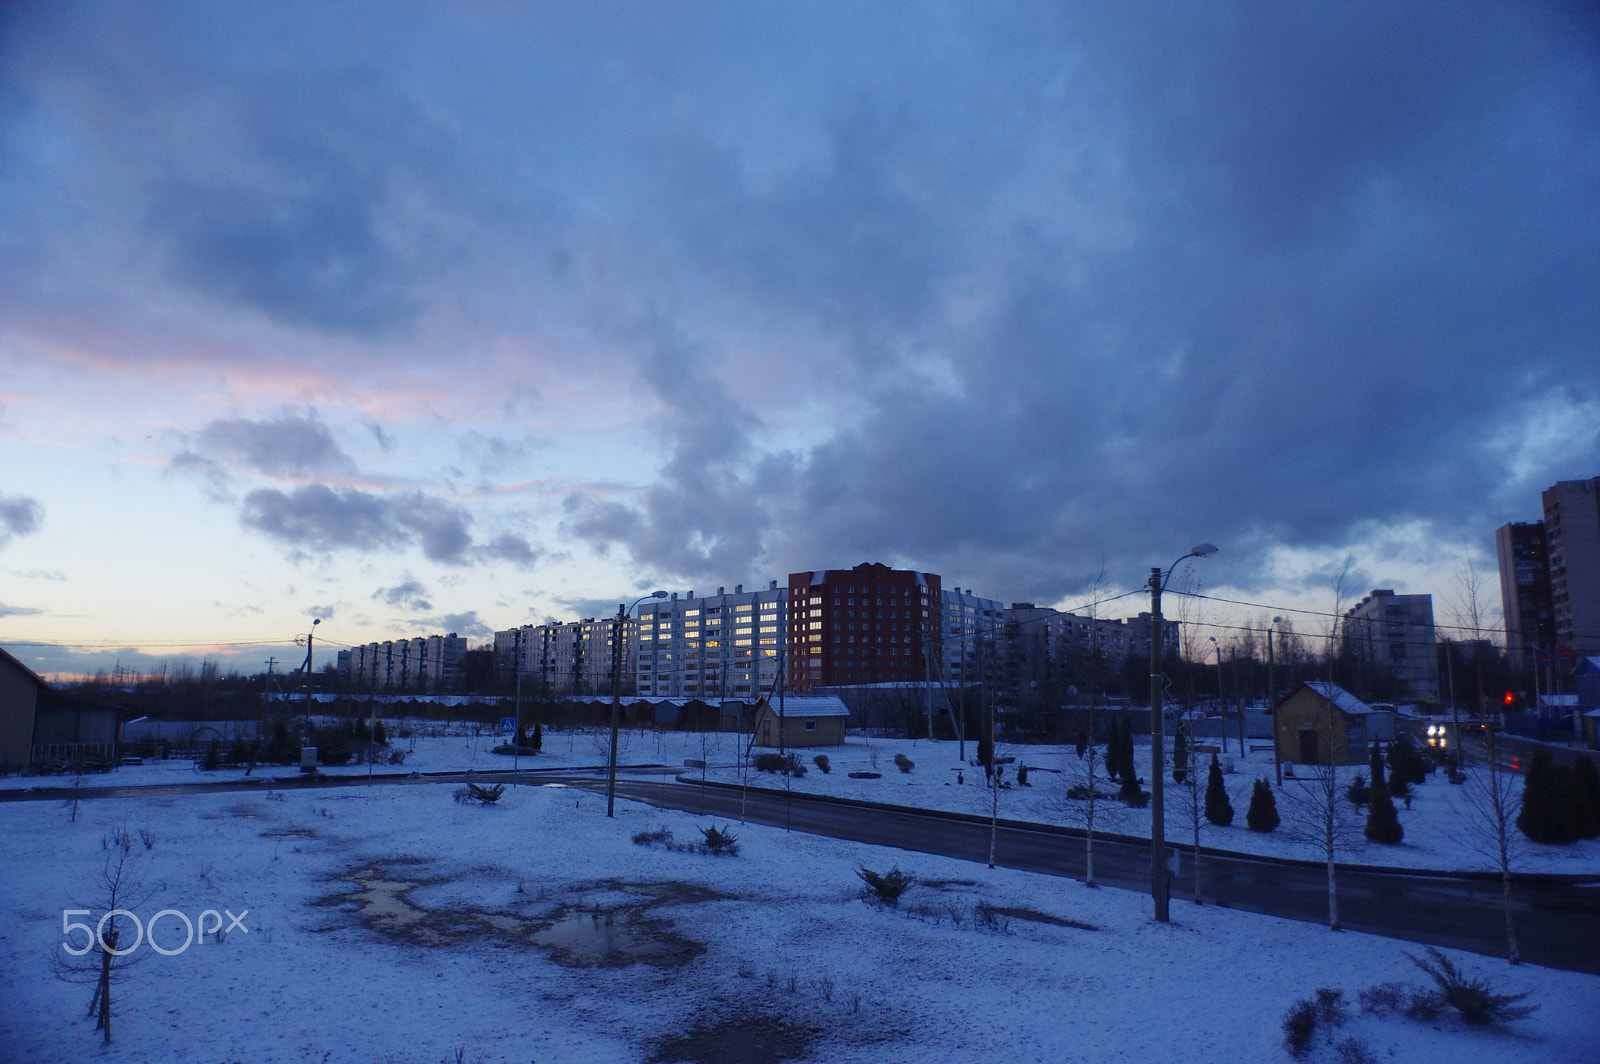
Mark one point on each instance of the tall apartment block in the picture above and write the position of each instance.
(1524, 559)
(1394, 634)
(428, 664)
(727, 645)
(1572, 529)
(572, 658)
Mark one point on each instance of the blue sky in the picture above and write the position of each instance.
(453, 316)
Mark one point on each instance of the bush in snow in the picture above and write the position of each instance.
(1472, 996)
(821, 761)
(887, 886)
(904, 763)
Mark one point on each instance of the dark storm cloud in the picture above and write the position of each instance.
(317, 517)
(409, 595)
(19, 516)
(287, 446)
(1263, 275)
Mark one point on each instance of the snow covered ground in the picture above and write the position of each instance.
(398, 926)
(1442, 831)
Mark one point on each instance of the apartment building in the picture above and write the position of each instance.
(728, 645)
(428, 664)
(1392, 639)
(570, 658)
(1572, 532)
(1524, 558)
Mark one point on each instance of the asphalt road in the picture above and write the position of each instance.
(1558, 922)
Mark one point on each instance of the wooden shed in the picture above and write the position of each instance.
(808, 720)
(1320, 724)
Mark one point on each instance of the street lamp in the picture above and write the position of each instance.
(616, 694)
(1159, 887)
(1272, 695)
(308, 753)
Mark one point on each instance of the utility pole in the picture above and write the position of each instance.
(1158, 840)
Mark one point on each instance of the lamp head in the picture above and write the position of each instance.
(316, 622)
(658, 594)
(1204, 550)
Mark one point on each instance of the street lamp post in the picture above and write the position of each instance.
(308, 753)
(1159, 887)
(616, 694)
(1272, 695)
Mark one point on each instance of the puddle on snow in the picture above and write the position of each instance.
(621, 931)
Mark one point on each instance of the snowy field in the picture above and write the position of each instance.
(394, 925)
(1441, 830)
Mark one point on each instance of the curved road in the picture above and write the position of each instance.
(1558, 922)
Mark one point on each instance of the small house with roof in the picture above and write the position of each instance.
(1322, 724)
(801, 720)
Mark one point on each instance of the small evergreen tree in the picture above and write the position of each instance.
(1376, 765)
(1358, 792)
(1218, 809)
(1555, 808)
(1263, 812)
(1588, 777)
(1180, 757)
(521, 738)
(1383, 823)
(538, 737)
(986, 755)
(379, 735)
(213, 755)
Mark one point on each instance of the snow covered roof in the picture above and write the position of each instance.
(811, 706)
(1339, 696)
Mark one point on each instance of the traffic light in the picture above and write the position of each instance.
(1511, 699)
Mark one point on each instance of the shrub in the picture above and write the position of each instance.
(1555, 808)
(1262, 815)
(1299, 1028)
(1022, 775)
(1330, 1006)
(1472, 997)
(1353, 1050)
(482, 795)
(787, 764)
(719, 841)
(904, 763)
(397, 757)
(821, 761)
(658, 837)
(888, 886)
(1383, 998)
(1358, 792)
(1180, 757)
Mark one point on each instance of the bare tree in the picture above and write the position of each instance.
(1316, 811)
(103, 960)
(1493, 800)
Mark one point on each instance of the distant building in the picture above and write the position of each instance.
(728, 645)
(429, 664)
(1572, 529)
(1393, 641)
(1523, 554)
(806, 720)
(570, 658)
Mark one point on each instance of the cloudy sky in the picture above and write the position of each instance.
(427, 316)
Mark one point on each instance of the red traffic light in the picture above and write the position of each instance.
(1511, 698)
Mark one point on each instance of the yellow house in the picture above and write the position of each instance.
(1321, 724)
(807, 720)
